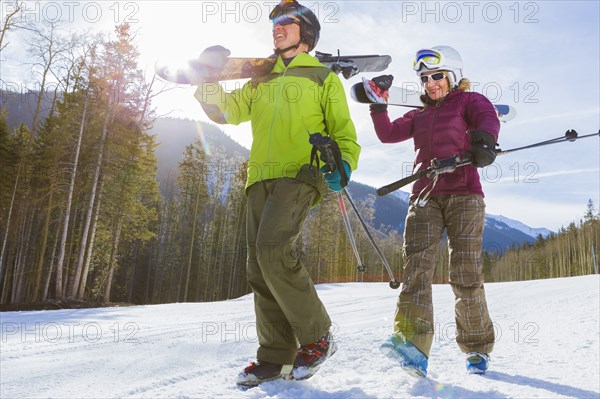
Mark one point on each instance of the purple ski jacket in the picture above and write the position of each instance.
(440, 131)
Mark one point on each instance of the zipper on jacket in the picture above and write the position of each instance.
(430, 133)
(277, 105)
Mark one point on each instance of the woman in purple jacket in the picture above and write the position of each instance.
(452, 122)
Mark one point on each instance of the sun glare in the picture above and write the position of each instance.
(179, 31)
(170, 34)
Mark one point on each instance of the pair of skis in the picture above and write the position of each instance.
(204, 69)
(399, 97)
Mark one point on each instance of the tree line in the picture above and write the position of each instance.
(83, 217)
(79, 185)
(572, 251)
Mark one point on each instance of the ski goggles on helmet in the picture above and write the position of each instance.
(284, 21)
(284, 11)
(435, 77)
(428, 58)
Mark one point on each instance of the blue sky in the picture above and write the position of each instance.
(542, 57)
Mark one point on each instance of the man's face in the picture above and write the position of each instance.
(286, 32)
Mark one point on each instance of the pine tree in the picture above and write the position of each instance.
(590, 212)
(18, 215)
(193, 175)
(131, 171)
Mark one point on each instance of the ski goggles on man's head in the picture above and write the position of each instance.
(429, 58)
(435, 77)
(284, 21)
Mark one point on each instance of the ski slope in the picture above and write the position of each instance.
(547, 347)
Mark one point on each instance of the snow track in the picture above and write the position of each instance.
(547, 333)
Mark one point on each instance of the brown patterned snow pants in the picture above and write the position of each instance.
(463, 217)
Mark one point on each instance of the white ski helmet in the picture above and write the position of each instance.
(439, 58)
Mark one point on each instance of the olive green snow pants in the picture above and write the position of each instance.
(463, 217)
(288, 311)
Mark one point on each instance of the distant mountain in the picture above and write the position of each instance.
(499, 233)
(173, 135)
(20, 106)
(390, 210)
(515, 224)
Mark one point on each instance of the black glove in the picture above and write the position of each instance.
(214, 57)
(483, 148)
(384, 82)
(376, 107)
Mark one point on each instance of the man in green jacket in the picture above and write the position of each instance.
(299, 97)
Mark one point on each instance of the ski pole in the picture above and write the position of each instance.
(393, 282)
(570, 135)
(331, 155)
(446, 165)
(360, 266)
(436, 168)
(332, 158)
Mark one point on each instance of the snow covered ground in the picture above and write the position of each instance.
(547, 347)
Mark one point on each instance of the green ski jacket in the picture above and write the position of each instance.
(284, 108)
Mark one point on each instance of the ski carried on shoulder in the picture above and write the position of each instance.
(200, 70)
(363, 93)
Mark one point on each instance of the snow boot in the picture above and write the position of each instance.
(477, 362)
(309, 358)
(413, 361)
(258, 372)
